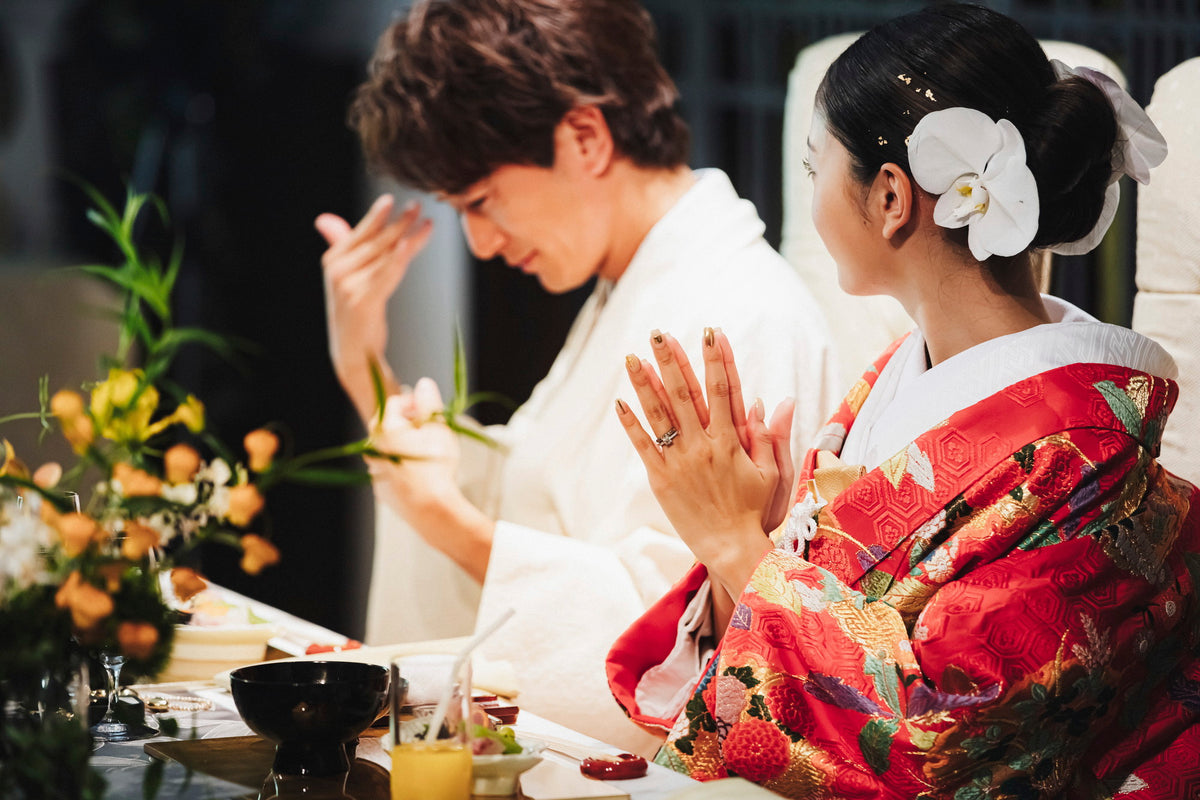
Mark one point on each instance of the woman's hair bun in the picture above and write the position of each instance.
(966, 55)
(1069, 142)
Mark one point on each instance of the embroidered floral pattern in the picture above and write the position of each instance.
(944, 686)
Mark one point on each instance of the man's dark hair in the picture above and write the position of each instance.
(458, 88)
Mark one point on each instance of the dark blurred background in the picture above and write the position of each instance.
(233, 112)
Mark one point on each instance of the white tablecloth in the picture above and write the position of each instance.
(125, 764)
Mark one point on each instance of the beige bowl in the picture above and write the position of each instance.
(200, 652)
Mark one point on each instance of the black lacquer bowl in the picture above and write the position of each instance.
(310, 709)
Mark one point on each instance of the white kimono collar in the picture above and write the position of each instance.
(909, 399)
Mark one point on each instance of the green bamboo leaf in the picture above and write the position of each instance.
(886, 680)
(133, 207)
(875, 742)
(20, 415)
(395, 458)
(471, 433)
(174, 338)
(1123, 407)
(378, 387)
(327, 476)
(173, 267)
(475, 398)
(458, 403)
(105, 209)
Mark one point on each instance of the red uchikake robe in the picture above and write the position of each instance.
(1005, 609)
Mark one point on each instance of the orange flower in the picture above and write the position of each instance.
(137, 639)
(136, 482)
(48, 475)
(88, 605)
(257, 554)
(77, 531)
(186, 583)
(245, 501)
(180, 464)
(261, 445)
(67, 406)
(50, 515)
(111, 575)
(139, 540)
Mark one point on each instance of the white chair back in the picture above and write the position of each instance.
(1167, 305)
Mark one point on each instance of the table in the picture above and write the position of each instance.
(126, 766)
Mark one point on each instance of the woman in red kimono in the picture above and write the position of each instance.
(986, 584)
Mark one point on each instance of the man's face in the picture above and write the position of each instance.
(541, 220)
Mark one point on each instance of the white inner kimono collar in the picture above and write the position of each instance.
(909, 399)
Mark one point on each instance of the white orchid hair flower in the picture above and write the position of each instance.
(1139, 148)
(977, 166)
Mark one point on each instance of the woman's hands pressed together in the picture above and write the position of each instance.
(725, 478)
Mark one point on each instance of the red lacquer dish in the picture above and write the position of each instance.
(613, 768)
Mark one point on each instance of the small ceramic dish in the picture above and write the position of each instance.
(497, 775)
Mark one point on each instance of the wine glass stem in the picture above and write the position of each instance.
(112, 668)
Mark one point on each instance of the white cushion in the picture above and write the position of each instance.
(1168, 245)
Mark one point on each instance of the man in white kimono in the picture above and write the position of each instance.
(552, 129)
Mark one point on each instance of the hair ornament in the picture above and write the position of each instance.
(977, 167)
(1140, 147)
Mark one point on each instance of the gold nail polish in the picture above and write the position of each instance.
(632, 362)
(657, 336)
(709, 337)
(759, 409)
(620, 407)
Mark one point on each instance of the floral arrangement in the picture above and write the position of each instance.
(85, 549)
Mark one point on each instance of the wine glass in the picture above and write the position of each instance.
(114, 725)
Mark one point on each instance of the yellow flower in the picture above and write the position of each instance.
(77, 531)
(191, 413)
(136, 482)
(122, 386)
(139, 540)
(10, 464)
(261, 445)
(137, 639)
(180, 464)
(186, 583)
(122, 406)
(245, 501)
(88, 605)
(257, 554)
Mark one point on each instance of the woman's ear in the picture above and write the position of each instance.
(583, 135)
(892, 199)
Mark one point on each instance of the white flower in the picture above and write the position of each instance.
(184, 494)
(23, 540)
(1140, 147)
(217, 472)
(977, 166)
(218, 503)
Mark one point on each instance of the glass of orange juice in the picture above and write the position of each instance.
(430, 764)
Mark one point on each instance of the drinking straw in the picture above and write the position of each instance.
(439, 713)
